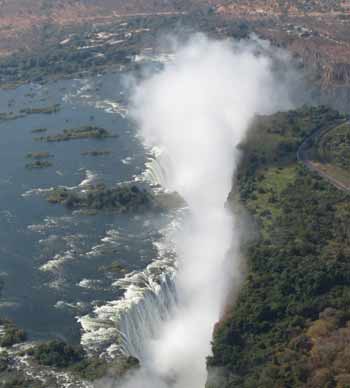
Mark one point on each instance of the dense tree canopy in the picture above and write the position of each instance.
(289, 327)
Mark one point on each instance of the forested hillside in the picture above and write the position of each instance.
(291, 324)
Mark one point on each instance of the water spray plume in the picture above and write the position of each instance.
(197, 110)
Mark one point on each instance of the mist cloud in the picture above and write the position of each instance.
(197, 110)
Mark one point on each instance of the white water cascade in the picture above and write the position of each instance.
(144, 318)
(158, 169)
(123, 326)
(195, 112)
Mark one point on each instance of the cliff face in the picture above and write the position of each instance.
(317, 32)
(337, 74)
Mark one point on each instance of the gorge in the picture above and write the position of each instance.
(195, 112)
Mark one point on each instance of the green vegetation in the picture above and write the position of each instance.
(90, 368)
(327, 151)
(4, 361)
(39, 155)
(38, 160)
(39, 130)
(61, 355)
(126, 198)
(115, 267)
(38, 164)
(122, 199)
(123, 365)
(95, 368)
(87, 132)
(4, 116)
(80, 50)
(10, 377)
(11, 335)
(20, 382)
(57, 354)
(334, 146)
(289, 326)
(44, 110)
(96, 153)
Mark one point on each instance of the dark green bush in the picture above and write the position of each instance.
(57, 353)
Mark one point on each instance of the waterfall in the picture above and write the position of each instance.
(121, 327)
(142, 321)
(157, 169)
(194, 113)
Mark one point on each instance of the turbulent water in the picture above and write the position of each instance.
(122, 326)
(64, 288)
(59, 272)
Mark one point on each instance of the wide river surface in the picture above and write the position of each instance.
(51, 260)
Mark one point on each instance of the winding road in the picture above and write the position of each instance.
(302, 156)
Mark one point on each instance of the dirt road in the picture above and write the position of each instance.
(318, 167)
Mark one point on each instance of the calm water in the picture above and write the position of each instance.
(50, 259)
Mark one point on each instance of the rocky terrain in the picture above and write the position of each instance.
(315, 31)
(23, 23)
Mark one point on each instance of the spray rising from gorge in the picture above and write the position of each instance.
(195, 112)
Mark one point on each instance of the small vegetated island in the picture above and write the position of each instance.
(39, 130)
(6, 116)
(38, 160)
(125, 198)
(96, 153)
(122, 199)
(86, 132)
(42, 110)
